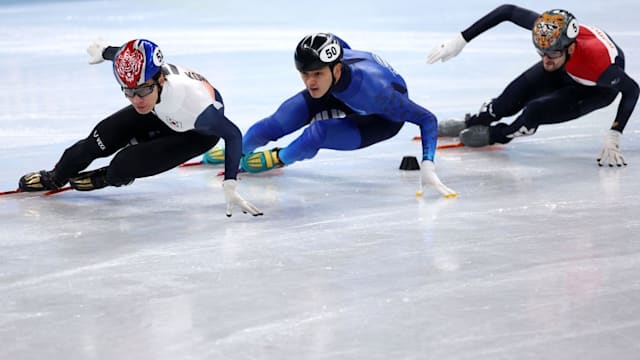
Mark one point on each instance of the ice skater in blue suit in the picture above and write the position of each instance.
(352, 99)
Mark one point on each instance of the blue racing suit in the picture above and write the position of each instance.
(368, 104)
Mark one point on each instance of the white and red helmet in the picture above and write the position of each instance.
(137, 62)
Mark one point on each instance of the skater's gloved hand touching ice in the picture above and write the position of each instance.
(233, 198)
(430, 178)
(610, 153)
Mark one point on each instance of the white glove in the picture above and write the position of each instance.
(233, 198)
(95, 50)
(447, 49)
(611, 150)
(429, 177)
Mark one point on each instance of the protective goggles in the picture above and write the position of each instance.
(551, 54)
(141, 91)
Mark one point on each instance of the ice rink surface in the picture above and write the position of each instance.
(537, 258)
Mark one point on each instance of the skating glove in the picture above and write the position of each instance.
(233, 198)
(430, 178)
(95, 50)
(447, 49)
(611, 150)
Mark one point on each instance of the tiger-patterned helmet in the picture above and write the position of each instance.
(136, 62)
(554, 30)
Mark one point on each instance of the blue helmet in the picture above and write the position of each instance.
(137, 62)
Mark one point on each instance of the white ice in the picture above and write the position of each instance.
(537, 258)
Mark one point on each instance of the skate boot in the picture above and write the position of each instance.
(93, 180)
(485, 115)
(451, 127)
(475, 136)
(261, 161)
(214, 156)
(40, 181)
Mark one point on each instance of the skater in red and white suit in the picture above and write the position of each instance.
(581, 70)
